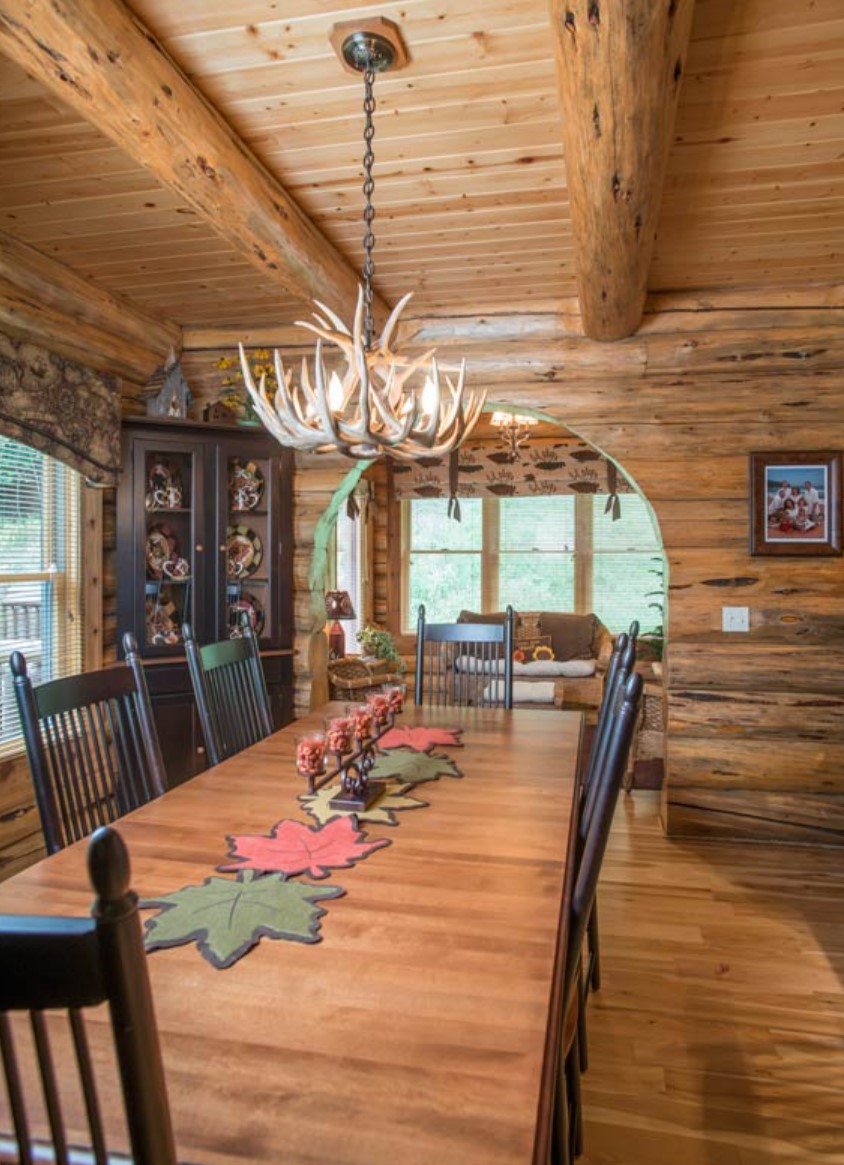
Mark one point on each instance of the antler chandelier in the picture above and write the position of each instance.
(382, 402)
(513, 429)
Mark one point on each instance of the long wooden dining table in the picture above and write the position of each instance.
(420, 1030)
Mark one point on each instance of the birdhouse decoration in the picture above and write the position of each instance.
(167, 392)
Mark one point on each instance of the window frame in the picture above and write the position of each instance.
(63, 640)
(583, 556)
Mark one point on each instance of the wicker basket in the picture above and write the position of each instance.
(353, 678)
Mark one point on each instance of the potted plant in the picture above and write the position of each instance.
(653, 640)
(378, 644)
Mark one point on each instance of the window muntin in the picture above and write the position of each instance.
(40, 573)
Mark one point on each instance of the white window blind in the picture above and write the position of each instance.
(350, 569)
(626, 564)
(40, 574)
(444, 560)
(536, 553)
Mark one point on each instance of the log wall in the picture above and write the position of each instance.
(755, 734)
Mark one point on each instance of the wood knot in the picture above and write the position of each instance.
(596, 120)
(569, 24)
(615, 186)
(678, 70)
(594, 15)
(206, 167)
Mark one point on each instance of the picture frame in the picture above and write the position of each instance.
(795, 503)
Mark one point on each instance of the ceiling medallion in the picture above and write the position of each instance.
(376, 401)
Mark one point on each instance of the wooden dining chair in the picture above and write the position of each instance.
(465, 663)
(70, 964)
(590, 849)
(92, 746)
(231, 693)
(620, 668)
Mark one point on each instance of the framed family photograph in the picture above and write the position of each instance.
(795, 503)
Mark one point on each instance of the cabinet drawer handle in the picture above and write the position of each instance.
(199, 548)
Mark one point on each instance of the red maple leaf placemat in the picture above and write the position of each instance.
(421, 739)
(292, 847)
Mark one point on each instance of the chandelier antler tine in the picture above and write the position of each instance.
(396, 423)
(330, 422)
(392, 321)
(333, 317)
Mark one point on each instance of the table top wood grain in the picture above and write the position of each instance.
(415, 1032)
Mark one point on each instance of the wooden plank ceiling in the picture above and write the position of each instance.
(471, 196)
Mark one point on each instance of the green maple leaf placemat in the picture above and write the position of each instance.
(420, 739)
(383, 812)
(413, 768)
(226, 917)
(291, 847)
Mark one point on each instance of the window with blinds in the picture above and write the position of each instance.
(559, 552)
(626, 564)
(444, 559)
(350, 570)
(40, 574)
(536, 553)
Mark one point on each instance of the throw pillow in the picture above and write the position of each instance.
(571, 635)
(490, 617)
(527, 646)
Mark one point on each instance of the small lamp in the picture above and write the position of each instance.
(338, 605)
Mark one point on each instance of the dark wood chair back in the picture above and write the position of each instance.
(625, 662)
(70, 964)
(231, 693)
(592, 845)
(92, 746)
(465, 663)
(582, 886)
(609, 697)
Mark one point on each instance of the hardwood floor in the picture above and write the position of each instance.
(718, 1035)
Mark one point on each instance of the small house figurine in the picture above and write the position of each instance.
(167, 392)
(220, 413)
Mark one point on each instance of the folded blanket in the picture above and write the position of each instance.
(572, 668)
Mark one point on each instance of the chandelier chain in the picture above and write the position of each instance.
(369, 209)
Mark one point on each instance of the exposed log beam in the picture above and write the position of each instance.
(620, 63)
(46, 303)
(100, 59)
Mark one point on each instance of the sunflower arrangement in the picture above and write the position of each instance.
(235, 396)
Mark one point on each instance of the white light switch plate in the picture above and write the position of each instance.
(735, 618)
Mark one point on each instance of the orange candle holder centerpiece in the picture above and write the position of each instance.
(350, 737)
(339, 735)
(395, 694)
(310, 756)
(379, 703)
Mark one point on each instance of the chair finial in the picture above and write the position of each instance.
(17, 662)
(108, 866)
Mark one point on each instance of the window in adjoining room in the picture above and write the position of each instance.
(553, 553)
(40, 574)
(350, 570)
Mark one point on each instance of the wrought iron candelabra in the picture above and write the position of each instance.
(351, 739)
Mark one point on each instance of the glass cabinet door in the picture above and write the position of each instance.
(247, 500)
(170, 560)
